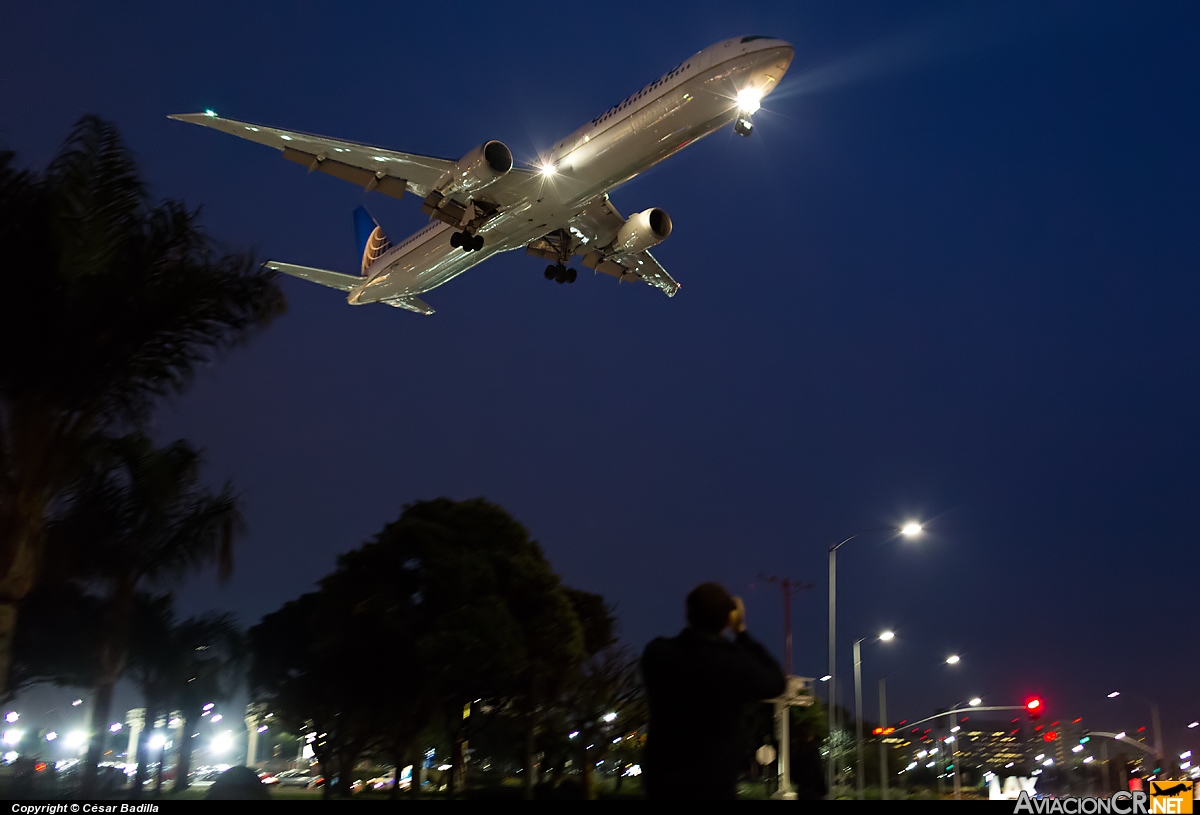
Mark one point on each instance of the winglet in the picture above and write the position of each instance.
(371, 241)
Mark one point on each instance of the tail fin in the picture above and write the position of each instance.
(371, 241)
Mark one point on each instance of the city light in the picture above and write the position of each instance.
(911, 529)
(1089, 760)
(216, 718)
(12, 736)
(1078, 748)
(975, 702)
(1047, 762)
(158, 741)
(262, 728)
(209, 706)
(574, 734)
(888, 636)
(952, 659)
(76, 739)
(1114, 694)
(827, 677)
(10, 756)
(222, 742)
(1186, 754)
(1193, 725)
(11, 717)
(1121, 735)
(77, 703)
(955, 729)
(115, 727)
(609, 717)
(51, 736)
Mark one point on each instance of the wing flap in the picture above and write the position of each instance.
(350, 159)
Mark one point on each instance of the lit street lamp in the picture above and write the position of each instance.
(1154, 720)
(886, 636)
(909, 530)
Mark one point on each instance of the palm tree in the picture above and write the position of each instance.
(174, 664)
(140, 520)
(108, 302)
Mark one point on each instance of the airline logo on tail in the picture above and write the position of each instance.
(372, 243)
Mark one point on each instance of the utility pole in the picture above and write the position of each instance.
(788, 587)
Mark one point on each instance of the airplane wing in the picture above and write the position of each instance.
(595, 228)
(388, 171)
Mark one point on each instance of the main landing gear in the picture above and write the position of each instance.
(560, 273)
(466, 241)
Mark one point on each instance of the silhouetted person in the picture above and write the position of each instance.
(697, 684)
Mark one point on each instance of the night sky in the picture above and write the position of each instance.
(952, 277)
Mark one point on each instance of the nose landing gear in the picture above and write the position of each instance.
(466, 241)
(743, 126)
(559, 272)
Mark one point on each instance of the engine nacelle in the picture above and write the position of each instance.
(486, 164)
(643, 230)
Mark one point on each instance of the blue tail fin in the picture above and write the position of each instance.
(370, 238)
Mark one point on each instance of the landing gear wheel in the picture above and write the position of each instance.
(456, 240)
(550, 272)
(560, 273)
(477, 243)
(570, 275)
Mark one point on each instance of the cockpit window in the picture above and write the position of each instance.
(754, 37)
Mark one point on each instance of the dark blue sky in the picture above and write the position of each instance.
(952, 276)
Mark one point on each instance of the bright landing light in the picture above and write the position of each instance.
(749, 100)
(548, 169)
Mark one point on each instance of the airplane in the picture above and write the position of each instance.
(484, 204)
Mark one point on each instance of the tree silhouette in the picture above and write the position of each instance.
(139, 519)
(108, 302)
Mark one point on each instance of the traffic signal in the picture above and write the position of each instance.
(1034, 706)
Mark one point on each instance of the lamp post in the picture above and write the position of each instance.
(909, 530)
(1154, 721)
(886, 636)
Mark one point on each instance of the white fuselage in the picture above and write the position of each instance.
(689, 102)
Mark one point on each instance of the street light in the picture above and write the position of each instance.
(952, 659)
(886, 636)
(976, 702)
(909, 530)
(1154, 720)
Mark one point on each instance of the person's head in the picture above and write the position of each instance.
(708, 608)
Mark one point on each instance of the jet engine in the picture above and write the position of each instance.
(643, 230)
(486, 164)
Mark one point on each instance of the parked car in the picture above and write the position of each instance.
(296, 778)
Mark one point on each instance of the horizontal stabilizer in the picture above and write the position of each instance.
(334, 280)
(409, 303)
